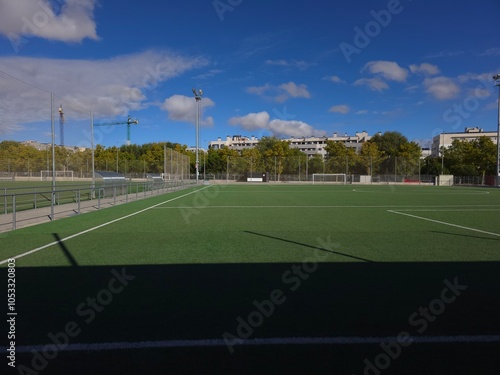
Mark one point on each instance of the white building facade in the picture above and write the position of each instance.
(470, 134)
(308, 145)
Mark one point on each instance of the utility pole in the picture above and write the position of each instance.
(197, 95)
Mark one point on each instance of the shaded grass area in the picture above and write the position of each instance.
(172, 302)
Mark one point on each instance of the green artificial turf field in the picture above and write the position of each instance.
(278, 223)
(251, 278)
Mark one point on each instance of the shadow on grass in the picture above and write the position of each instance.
(485, 237)
(310, 246)
(186, 302)
(65, 250)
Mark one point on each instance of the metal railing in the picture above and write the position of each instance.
(43, 201)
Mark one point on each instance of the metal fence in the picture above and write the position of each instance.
(175, 166)
(44, 202)
(301, 168)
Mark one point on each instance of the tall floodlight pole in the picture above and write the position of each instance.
(197, 95)
(497, 83)
(93, 158)
(53, 200)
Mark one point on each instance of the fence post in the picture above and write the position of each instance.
(78, 199)
(52, 202)
(5, 200)
(13, 212)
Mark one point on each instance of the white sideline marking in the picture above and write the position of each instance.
(453, 210)
(445, 223)
(403, 208)
(339, 340)
(97, 227)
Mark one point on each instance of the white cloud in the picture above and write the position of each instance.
(387, 69)
(298, 64)
(211, 73)
(424, 68)
(342, 108)
(442, 88)
(491, 52)
(445, 53)
(283, 128)
(375, 84)
(110, 88)
(72, 22)
(282, 92)
(295, 91)
(252, 121)
(362, 112)
(334, 79)
(412, 88)
(183, 108)
(482, 77)
(278, 127)
(259, 90)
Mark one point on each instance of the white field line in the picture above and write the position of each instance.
(339, 340)
(445, 223)
(400, 208)
(452, 210)
(98, 227)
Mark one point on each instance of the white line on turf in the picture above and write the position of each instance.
(400, 208)
(339, 340)
(452, 210)
(99, 226)
(445, 223)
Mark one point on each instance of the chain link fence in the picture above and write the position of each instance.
(302, 168)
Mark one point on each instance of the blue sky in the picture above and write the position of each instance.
(283, 68)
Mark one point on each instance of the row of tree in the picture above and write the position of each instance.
(387, 153)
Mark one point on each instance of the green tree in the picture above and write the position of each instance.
(459, 158)
(408, 158)
(431, 166)
(315, 164)
(390, 142)
(370, 157)
(485, 156)
(340, 158)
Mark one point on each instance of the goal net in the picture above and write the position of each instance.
(336, 178)
(45, 175)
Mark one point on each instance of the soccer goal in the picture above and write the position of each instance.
(334, 178)
(46, 174)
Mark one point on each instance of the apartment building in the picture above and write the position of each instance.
(308, 145)
(469, 134)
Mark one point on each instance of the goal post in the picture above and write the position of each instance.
(46, 174)
(334, 178)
